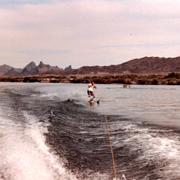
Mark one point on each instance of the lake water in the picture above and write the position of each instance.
(49, 131)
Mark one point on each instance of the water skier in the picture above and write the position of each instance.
(90, 91)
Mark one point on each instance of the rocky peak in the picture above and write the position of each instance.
(5, 66)
(41, 64)
(47, 69)
(30, 69)
(30, 66)
(4, 69)
(68, 68)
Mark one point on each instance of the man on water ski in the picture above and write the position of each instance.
(90, 91)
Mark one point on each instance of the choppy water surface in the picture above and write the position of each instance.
(49, 131)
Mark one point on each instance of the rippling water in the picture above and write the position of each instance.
(49, 131)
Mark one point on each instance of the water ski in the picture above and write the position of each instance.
(92, 101)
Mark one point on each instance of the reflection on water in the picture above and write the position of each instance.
(40, 129)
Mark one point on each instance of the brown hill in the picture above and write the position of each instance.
(145, 65)
(4, 69)
(151, 65)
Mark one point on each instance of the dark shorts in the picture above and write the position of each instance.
(90, 93)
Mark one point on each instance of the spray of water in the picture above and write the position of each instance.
(25, 155)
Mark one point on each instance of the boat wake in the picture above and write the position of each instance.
(46, 138)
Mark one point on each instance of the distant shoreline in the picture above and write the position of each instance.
(145, 79)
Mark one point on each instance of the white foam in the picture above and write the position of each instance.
(25, 156)
(165, 151)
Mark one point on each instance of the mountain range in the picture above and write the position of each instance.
(145, 65)
(30, 70)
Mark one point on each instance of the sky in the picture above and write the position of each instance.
(87, 32)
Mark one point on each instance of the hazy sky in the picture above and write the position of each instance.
(87, 32)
